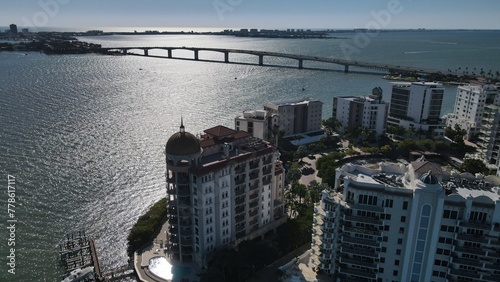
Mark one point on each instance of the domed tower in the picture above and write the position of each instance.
(182, 151)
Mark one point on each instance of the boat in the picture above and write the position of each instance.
(79, 274)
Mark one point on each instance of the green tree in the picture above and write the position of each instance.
(474, 166)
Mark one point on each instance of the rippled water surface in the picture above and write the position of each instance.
(84, 134)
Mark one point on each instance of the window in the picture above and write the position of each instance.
(400, 241)
(401, 230)
(382, 260)
(384, 249)
(403, 218)
(395, 273)
(405, 205)
(381, 270)
(398, 252)
(396, 262)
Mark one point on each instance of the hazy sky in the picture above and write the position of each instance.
(483, 14)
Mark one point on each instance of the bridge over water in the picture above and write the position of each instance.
(261, 54)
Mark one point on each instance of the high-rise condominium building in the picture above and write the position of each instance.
(297, 116)
(469, 107)
(222, 188)
(408, 222)
(417, 105)
(367, 112)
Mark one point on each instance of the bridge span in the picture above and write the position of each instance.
(261, 54)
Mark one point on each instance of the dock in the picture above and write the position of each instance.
(78, 251)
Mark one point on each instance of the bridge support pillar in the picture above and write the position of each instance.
(196, 55)
(226, 57)
(301, 63)
(146, 52)
(261, 60)
(346, 68)
(169, 53)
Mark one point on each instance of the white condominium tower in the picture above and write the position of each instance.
(408, 222)
(222, 188)
(469, 107)
(417, 105)
(367, 112)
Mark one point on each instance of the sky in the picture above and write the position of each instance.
(275, 14)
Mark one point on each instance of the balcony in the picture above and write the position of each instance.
(253, 213)
(239, 181)
(253, 175)
(254, 185)
(266, 181)
(239, 169)
(254, 221)
(469, 250)
(359, 241)
(240, 200)
(360, 230)
(254, 195)
(239, 210)
(471, 238)
(267, 170)
(359, 262)
(186, 241)
(267, 160)
(468, 262)
(359, 251)
(357, 272)
(493, 254)
(362, 219)
(492, 277)
(254, 204)
(240, 191)
(239, 218)
(475, 224)
(240, 228)
(465, 273)
(255, 164)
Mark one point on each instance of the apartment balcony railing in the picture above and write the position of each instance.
(359, 251)
(469, 250)
(239, 181)
(359, 262)
(254, 204)
(253, 196)
(240, 200)
(357, 272)
(475, 224)
(362, 219)
(465, 273)
(253, 213)
(254, 185)
(254, 165)
(359, 241)
(266, 181)
(360, 230)
(239, 218)
(240, 191)
(468, 262)
(471, 238)
(254, 175)
(240, 228)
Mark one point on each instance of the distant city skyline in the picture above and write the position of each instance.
(281, 14)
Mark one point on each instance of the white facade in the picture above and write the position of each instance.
(297, 116)
(413, 222)
(417, 105)
(225, 188)
(259, 123)
(367, 112)
(469, 106)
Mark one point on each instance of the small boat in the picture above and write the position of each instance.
(79, 274)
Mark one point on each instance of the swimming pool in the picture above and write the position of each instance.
(160, 267)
